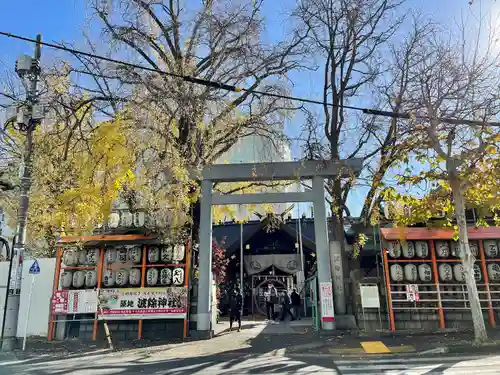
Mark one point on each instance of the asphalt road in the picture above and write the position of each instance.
(140, 362)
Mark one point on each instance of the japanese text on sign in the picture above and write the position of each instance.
(326, 296)
(148, 303)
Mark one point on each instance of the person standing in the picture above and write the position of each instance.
(285, 306)
(295, 297)
(236, 307)
(270, 296)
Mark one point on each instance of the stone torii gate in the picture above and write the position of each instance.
(315, 170)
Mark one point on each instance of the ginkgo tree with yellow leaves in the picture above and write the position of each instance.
(455, 158)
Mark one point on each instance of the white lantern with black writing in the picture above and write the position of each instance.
(443, 249)
(494, 271)
(167, 254)
(139, 219)
(153, 254)
(92, 257)
(456, 250)
(121, 255)
(179, 253)
(425, 272)
(166, 276)
(394, 248)
(408, 249)
(121, 278)
(109, 278)
(422, 249)
(134, 276)
(491, 248)
(178, 276)
(474, 248)
(66, 279)
(396, 272)
(70, 257)
(134, 254)
(90, 279)
(410, 271)
(477, 272)
(459, 272)
(152, 276)
(110, 255)
(82, 257)
(445, 272)
(78, 279)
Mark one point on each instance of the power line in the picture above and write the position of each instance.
(223, 86)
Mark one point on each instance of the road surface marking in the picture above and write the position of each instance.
(374, 347)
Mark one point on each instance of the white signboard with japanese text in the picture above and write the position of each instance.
(66, 302)
(326, 296)
(369, 296)
(143, 303)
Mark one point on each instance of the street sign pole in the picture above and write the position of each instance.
(34, 270)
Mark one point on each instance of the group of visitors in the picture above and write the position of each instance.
(290, 305)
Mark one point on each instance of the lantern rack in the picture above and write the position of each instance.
(100, 244)
(436, 294)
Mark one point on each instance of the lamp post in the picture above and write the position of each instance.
(28, 117)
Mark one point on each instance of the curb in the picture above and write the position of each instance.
(471, 349)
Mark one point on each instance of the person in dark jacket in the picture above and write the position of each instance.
(285, 306)
(236, 307)
(295, 297)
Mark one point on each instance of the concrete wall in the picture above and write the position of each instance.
(40, 302)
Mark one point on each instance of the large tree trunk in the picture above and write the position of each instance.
(467, 258)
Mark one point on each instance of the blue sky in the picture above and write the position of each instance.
(63, 20)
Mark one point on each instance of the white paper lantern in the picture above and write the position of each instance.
(121, 255)
(82, 257)
(134, 254)
(78, 279)
(474, 248)
(494, 271)
(410, 271)
(92, 257)
(110, 255)
(139, 219)
(491, 248)
(179, 252)
(394, 249)
(422, 249)
(114, 220)
(456, 249)
(152, 276)
(445, 272)
(167, 254)
(127, 219)
(443, 249)
(166, 276)
(90, 279)
(477, 272)
(396, 272)
(425, 272)
(108, 278)
(70, 257)
(66, 279)
(153, 254)
(178, 276)
(459, 273)
(135, 276)
(121, 278)
(408, 249)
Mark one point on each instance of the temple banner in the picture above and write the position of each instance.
(65, 302)
(143, 303)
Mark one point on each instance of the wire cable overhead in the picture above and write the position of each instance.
(223, 86)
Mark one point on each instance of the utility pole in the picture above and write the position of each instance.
(28, 116)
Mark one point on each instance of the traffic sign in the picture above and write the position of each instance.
(35, 268)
